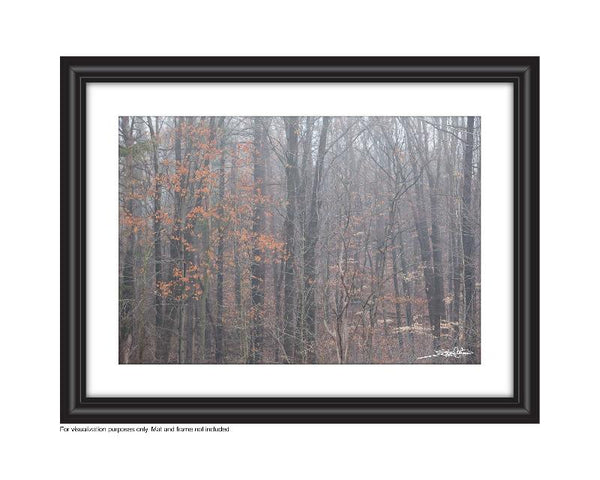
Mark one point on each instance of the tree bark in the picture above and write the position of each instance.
(156, 232)
(436, 253)
(312, 236)
(420, 219)
(257, 266)
(175, 261)
(127, 287)
(219, 333)
(291, 175)
(303, 207)
(467, 238)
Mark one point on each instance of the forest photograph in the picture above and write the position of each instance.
(299, 240)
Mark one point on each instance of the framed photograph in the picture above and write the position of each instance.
(299, 240)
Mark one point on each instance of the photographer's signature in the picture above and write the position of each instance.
(456, 352)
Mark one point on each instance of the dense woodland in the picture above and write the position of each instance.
(299, 239)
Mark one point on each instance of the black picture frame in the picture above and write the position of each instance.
(521, 72)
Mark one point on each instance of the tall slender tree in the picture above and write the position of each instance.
(312, 236)
(291, 179)
(468, 240)
(258, 267)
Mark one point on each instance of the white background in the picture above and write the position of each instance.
(33, 36)
(493, 377)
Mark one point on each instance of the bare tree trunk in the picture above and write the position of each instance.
(156, 231)
(436, 240)
(438, 275)
(180, 245)
(468, 240)
(291, 174)
(127, 287)
(303, 208)
(312, 235)
(455, 281)
(430, 254)
(397, 308)
(237, 282)
(219, 334)
(406, 288)
(176, 260)
(257, 266)
(425, 250)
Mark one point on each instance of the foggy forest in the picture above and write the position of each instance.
(299, 240)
